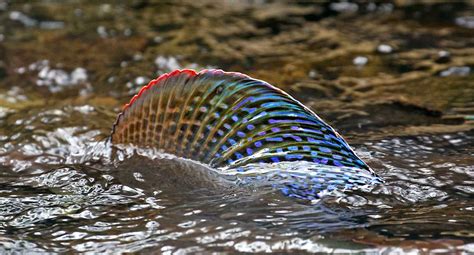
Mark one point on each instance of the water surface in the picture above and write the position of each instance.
(396, 80)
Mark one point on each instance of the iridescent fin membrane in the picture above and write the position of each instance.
(230, 121)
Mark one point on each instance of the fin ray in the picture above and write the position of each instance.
(228, 120)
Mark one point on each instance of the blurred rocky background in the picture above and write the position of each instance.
(391, 67)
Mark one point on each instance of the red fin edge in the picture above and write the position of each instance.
(155, 81)
(164, 76)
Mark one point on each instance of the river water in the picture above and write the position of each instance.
(396, 79)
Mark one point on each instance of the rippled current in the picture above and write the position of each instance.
(396, 79)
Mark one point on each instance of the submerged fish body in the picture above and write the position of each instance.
(240, 125)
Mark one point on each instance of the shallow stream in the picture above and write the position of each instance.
(395, 79)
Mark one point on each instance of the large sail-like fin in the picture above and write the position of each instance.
(228, 120)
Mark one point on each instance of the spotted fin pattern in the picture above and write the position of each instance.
(229, 120)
